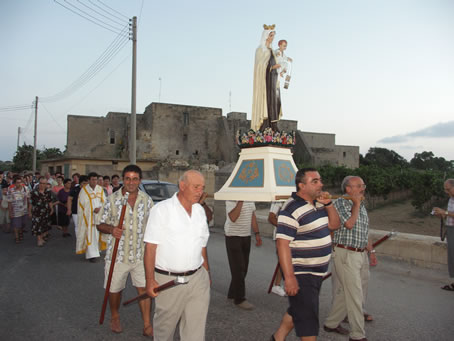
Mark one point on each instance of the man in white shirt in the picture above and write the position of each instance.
(176, 238)
(240, 218)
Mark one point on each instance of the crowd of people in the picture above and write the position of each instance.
(43, 202)
(158, 243)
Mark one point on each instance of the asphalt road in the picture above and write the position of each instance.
(50, 293)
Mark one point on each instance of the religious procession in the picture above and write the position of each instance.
(158, 247)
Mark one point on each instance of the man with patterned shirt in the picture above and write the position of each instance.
(350, 260)
(130, 254)
(448, 214)
(304, 249)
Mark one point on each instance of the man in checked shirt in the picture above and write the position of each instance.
(351, 247)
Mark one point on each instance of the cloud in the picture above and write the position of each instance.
(438, 130)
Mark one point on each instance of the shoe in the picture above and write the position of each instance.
(93, 260)
(368, 318)
(245, 305)
(363, 339)
(66, 235)
(339, 329)
(115, 325)
(148, 331)
(278, 290)
(40, 242)
(448, 287)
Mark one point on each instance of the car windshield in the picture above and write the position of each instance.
(160, 191)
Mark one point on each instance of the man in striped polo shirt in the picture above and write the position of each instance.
(304, 248)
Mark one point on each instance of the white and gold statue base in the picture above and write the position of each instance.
(261, 174)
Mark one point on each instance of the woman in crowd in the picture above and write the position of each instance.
(63, 218)
(41, 210)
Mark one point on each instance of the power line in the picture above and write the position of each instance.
(94, 10)
(53, 118)
(15, 107)
(115, 30)
(112, 9)
(99, 84)
(109, 53)
(140, 13)
(102, 9)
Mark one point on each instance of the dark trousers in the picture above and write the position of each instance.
(238, 249)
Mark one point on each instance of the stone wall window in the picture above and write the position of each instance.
(185, 119)
(177, 152)
(112, 137)
(345, 154)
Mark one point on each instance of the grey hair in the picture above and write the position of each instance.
(184, 177)
(346, 182)
(449, 182)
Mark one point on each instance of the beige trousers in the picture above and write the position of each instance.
(350, 267)
(184, 303)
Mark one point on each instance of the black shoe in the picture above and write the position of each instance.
(93, 260)
(66, 235)
(339, 329)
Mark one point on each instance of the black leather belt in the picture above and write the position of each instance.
(356, 249)
(169, 273)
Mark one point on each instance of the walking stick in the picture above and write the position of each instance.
(378, 242)
(274, 277)
(169, 284)
(328, 275)
(112, 261)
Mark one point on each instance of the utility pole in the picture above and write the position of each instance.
(18, 137)
(132, 151)
(34, 137)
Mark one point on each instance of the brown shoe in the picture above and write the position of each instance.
(363, 339)
(115, 325)
(148, 331)
(339, 329)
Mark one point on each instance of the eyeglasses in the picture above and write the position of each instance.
(358, 186)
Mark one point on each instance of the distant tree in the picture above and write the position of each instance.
(6, 165)
(51, 153)
(23, 159)
(428, 161)
(382, 157)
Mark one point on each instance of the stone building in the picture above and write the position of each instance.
(172, 137)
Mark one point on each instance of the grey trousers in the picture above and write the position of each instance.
(450, 241)
(348, 298)
(185, 303)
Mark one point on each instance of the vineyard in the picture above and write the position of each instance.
(389, 177)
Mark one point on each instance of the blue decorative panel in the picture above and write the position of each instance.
(284, 173)
(249, 174)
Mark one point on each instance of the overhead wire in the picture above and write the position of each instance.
(109, 53)
(102, 9)
(53, 118)
(112, 9)
(15, 107)
(94, 10)
(115, 30)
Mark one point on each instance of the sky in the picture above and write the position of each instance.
(375, 73)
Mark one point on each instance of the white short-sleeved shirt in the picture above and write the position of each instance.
(180, 237)
(242, 226)
(275, 208)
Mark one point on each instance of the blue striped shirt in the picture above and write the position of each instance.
(305, 225)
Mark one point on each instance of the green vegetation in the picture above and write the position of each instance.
(384, 171)
(23, 159)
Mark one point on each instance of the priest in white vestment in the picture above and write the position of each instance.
(91, 199)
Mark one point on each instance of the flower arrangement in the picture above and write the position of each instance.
(266, 137)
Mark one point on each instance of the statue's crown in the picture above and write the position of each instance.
(269, 27)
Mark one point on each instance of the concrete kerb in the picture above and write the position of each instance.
(424, 251)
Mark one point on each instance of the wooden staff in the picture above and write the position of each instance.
(274, 277)
(169, 284)
(378, 242)
(112, 261)
(285, 197)
(328, 275)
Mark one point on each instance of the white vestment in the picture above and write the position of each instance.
(88, 236)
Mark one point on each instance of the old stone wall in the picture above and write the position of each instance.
(103, 137)
(183, 132)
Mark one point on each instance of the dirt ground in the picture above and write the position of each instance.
(402, 217)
